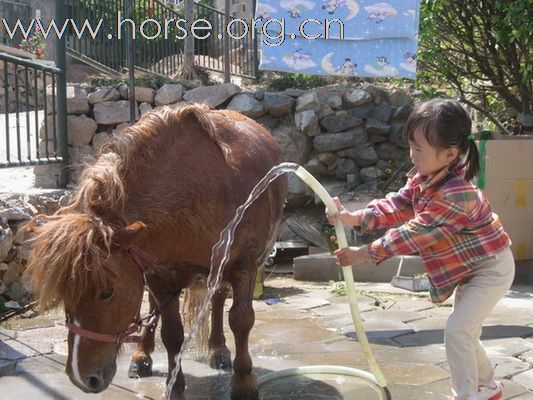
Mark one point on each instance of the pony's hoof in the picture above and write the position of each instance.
(220, 362)
(174, 396)
(140, 369)
(249, 395)
(244, 387)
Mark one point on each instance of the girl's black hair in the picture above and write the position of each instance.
(445, 124)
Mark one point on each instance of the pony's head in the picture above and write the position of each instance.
(79, 262)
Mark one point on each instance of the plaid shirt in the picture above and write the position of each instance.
(445, 218)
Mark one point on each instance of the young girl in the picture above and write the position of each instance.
(441, 215)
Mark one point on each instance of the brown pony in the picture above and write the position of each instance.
(152, 207)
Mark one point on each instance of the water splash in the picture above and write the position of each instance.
(220, 257)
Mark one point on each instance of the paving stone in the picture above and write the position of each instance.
(511, 389)
(511, 347)
(34, 340)
(380, 329)
(306, 303)
(413, 374)
(13, 350)
(421, 338)
(6, 366)
(527, 356)
(340, 309)
(7, 333)
(433, 354)
(524, 396)
(508, 316)
(391, 315)
(414, 305)
(525, 379)
(40, 321)
(505, 331)
(506, 367)
(438, 390)
(428, 324)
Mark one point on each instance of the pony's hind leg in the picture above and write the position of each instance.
(219, 354)
(141, 361)
(241, 321)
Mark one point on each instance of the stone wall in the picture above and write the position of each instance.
(15, 211)
(350, 137)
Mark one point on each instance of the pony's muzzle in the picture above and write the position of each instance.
(97, 381)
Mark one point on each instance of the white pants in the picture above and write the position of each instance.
(474, 300)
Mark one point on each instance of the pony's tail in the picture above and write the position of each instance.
(101, 186)
(193, 299)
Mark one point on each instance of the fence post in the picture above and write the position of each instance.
(61, 98)
(227, 72)
(130, 55)
(255, 44)
(186, 70)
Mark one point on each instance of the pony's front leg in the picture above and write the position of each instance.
(241, 321)
(219, 354)
(172, 336)
(141, 362)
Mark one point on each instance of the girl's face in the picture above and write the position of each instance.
(428, 159)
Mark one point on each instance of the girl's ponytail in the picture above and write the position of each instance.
(472, 161)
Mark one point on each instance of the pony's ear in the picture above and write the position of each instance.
(124, 236)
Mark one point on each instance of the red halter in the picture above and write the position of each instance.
(143, 260)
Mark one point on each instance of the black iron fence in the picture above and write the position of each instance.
(11, 11)
(110, 53)
(31, 132)
(155, 50)
(209, 53)
(156, 47)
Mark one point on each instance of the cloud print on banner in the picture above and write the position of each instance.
(379, 39)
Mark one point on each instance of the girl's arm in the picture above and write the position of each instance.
(440, 219)
(393, 210)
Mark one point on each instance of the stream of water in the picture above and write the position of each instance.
(220, 257)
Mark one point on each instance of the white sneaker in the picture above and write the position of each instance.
(487, 393)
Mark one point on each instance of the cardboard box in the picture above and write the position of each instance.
(508, 184)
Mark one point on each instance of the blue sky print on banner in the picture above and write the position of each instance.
(375, 58)
(380, 38)
(362, 19)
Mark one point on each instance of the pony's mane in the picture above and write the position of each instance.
(69, 249)
(66, 257)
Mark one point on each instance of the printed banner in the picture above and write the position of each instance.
(378, 39)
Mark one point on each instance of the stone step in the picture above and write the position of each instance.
(322, 267)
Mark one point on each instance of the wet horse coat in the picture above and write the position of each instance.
(168, 186)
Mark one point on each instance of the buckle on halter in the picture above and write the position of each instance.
(151, 320)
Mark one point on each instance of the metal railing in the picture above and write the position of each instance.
(31, 132)
(210, 52)
(11, 11)
(109, 53)
(153, 51)
(159, 55)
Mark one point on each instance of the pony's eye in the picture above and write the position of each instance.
(106, 294)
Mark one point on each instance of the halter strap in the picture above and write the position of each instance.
(126, 336)
(142, 258)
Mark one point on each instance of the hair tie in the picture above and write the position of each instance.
(471, 137)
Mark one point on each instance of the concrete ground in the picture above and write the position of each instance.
(311, 325)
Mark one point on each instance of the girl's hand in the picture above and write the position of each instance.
(352, 255)
(343, 215)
